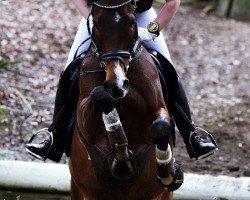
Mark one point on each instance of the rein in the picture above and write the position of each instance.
(132, 54)
(102, 161)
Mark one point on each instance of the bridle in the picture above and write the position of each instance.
(104, 58)
(112, 6)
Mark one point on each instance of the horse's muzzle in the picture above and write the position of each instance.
(116, 90)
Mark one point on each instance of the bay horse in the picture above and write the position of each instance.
(125, 152)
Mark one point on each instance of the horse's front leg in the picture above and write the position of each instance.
(121, 166)
(169, 173)
(75, 192)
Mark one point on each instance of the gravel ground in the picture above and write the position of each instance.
(211, 55)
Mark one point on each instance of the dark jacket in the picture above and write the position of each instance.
(143, 5)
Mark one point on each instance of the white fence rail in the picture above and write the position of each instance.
(46, 177)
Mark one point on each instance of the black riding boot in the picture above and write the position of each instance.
(52, 148)
(177, 102)
(196, 146)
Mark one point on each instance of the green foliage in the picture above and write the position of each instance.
(2, 155)
(240, 9)
(3, 114)
(192, 2)
(5, 65)
(4, 126)
(201, 2)
(18, 197)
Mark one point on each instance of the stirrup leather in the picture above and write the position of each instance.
(44, 130)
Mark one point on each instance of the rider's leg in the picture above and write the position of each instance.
(196, 146)
(158, 43)
(58, 129)
(200, 147)
(44, 149)
(81, 35)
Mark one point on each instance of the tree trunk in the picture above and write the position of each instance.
(224, 8)
(237, 9)
(240, 10)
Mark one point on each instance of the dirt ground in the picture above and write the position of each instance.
(211, 55)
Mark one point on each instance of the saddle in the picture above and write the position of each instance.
(168, 77)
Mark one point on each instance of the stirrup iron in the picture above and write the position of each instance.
(211, 138)
(41, 131)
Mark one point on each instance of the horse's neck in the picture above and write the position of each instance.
(144, 82)
(143, 65)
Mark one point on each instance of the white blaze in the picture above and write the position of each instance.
(117, 17)
(119, 74)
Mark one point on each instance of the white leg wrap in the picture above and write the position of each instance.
(111, 120)
(163, 157)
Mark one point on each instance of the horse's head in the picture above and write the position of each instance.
(114, 33)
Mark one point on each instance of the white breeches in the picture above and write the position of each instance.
(158, 43)
(142, 19)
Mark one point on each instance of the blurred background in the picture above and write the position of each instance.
(209, 42)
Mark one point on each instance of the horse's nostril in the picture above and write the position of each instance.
(125, 84)
(115, 90)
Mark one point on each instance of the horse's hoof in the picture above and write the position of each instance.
(122, 170)
(102, 99)
(177, 179)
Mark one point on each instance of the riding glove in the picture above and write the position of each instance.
(144, 34)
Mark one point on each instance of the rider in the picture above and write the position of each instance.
(150, 26)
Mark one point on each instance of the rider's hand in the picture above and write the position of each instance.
(149, 33)
(144, 34)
